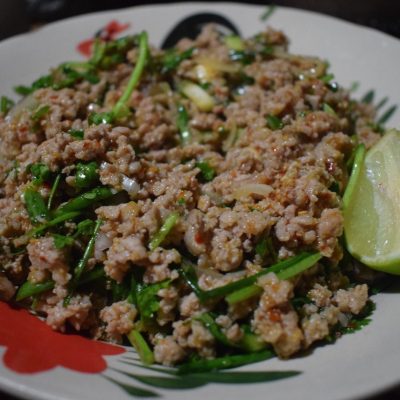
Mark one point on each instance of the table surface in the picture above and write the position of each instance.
(379, 14)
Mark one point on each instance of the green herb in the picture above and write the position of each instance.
(35, 206)
(181, 201)
(77, 133)
(268, 12)
(6, 104)
(85, 228)
(53, 191)
(86, 175)
(61, 241)
(387, 115)
(120, 110)
(40, 173)
(361, 320)
(265, 247)
(242, 56)
(328, 109)
(224, 362)
(79, 269)
(207, 173)
(29, 289)
(274, 122)
(368, 98)
(327, 78)
(382, 103)
(43, 82)
(183, 124)
(141, 346)
(293, 266)
(40, 112)
(147, 300)
(85, 200)
(172, 59)
(101, 118)
(251, 342)
(165, 229)
(354, 86)
(55, 221)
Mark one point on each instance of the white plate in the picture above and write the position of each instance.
(357, 365)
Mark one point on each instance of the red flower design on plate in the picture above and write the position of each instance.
(32, 346)
(109, 32)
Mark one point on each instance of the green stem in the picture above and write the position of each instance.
(61, 218)
(120, 107)
(189, 275)
(165, 229)
(287, 273)
(83, 262)
(29, 289)
(141, 346)
(85, 200)
(53, 191)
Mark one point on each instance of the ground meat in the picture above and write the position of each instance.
(254, 180)
(122, 252)
(119, 318)
(76, 313)
(352, 300)
(7, 289)
(167, 351)
(45, 258)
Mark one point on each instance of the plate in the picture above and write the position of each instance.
(37, 363)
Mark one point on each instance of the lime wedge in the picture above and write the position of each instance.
(371, 206)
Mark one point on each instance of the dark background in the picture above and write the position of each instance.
(20, 15)
(17, 16)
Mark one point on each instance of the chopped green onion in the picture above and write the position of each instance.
(141, 346)
(147, 299)
(244, 57)
(165, 229)
(327, 78)
(243, 294)
(274, 122)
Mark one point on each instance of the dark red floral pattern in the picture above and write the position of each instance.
(32, 346)
(109, 32)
